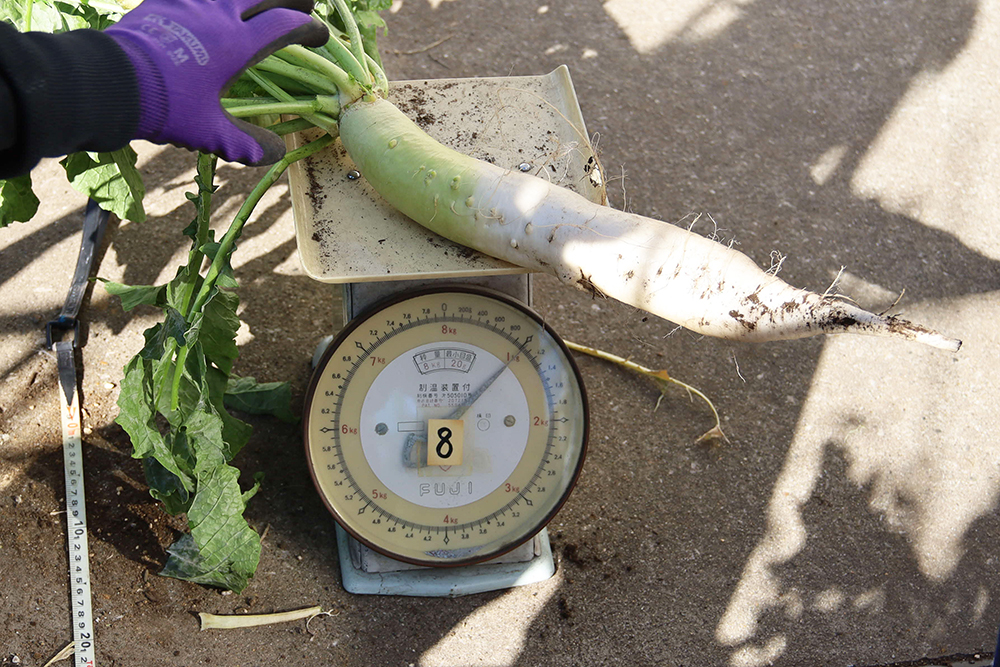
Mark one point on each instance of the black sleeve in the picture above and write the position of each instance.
(62, 93)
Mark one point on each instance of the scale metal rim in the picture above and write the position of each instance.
(405, 295)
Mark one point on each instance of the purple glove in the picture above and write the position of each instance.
(187, 53)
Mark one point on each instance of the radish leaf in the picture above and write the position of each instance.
(260, 398)
(218, 333)
(138, 418)
(222, 549)
(135, 295)
(110, 179)
(174, 407)
(177, 391)
(18, 202)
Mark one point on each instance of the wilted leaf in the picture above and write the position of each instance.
(218, 331)
(235, 432)
(261, 398)
(136, 416)
(222, 549)
(135, 295)
(110, 179)
(166, 487)
(18, 202)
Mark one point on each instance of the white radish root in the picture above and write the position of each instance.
(663, 269)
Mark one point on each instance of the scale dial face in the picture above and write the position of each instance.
(445, 427)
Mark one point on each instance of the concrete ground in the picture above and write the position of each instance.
(852, 518)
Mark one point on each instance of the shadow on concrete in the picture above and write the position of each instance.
(729, 125)
(119, 507)
(655, 538)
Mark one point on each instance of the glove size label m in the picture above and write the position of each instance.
(167, 32)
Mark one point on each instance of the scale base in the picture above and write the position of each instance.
(366, 572)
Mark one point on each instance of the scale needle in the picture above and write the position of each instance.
(411, 458)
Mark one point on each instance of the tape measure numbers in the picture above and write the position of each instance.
(76, 511)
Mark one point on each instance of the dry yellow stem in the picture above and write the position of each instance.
(66, 652)
(216, 622)
(661, 378)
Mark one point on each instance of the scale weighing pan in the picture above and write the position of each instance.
(346, 234)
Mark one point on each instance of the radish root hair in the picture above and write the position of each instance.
(777, 259)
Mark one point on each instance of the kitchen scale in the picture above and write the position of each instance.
(446, 423)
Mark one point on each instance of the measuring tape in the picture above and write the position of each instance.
(76, 510)
(94, 223)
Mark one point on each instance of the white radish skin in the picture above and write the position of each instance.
(668, 271)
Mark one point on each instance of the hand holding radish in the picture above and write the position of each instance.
(186, 53)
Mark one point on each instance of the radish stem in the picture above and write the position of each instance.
(299, 106)
(290, 126)
(175, 385)
(243, 215)
(381, 80)
(318, 119)
(229, 622)
(347, 64)
(354, 35)
(205, 179)
(290, 108)
(311, 78)
(338, 52)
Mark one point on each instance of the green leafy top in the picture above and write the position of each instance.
(178, 390)
(313, 84)
(366, 15)
(61, 15)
